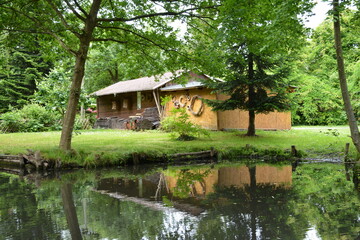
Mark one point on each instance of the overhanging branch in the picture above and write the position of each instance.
(108, 40)
(80, 8)
(44, 30)
(134, 33)
(62, 19)
(75, 12)
(168, 13)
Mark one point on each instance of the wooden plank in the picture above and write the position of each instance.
(10, 161)
(11, 171)
(10, 157)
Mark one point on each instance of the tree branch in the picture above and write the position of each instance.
(134, 33)
(23, 31)
(108, 40)
(158, 14)
(64, 22)
(80, 8)
(75, 12)
(38, 23)
(62, 43)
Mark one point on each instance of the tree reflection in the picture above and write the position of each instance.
(20, 217)
(236, 202)
(251, 211)
(70, 211)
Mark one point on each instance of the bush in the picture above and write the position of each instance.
(31, 118)
(11, 122)
(179, 125)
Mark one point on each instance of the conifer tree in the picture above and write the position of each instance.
(20, 68)
(251, 43)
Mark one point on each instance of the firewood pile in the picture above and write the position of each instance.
(147, 120)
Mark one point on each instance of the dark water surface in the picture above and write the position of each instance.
(224, 201)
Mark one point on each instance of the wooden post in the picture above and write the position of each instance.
(356, 175)
(135, 158)
(347, 146)
(293, 151)
(22, 162)
(346, 160)
(212, 154)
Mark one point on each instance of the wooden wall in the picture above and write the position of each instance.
(237, 119)
(234, 119)
(105, 104)
(208, 119)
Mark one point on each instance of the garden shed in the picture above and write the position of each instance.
(122, 102)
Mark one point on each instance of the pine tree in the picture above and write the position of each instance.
(20, 69)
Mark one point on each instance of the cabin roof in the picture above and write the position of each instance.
(188, 85)
(139, 84)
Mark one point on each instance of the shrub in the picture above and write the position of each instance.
(179, 125)
(11, 122)
(31, 118)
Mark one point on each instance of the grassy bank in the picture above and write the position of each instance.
(113, 145)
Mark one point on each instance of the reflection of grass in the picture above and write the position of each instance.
(115, 144)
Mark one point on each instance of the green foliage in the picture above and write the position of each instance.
(180, 126)
(318, 96)
(31, 118)
(111, 63)
(20, 69)
(253, 44)
(53, 91)
(186, 179)
(317, 102)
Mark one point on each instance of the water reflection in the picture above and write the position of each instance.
(240, 202)
(70, 211)
(230, 201)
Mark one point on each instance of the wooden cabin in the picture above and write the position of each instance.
(133, 98)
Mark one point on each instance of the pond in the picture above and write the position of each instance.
(218, 201)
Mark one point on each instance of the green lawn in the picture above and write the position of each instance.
(315, 141)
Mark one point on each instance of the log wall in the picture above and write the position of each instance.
(105, 104)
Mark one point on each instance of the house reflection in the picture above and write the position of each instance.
(197, 183)
(239, 177)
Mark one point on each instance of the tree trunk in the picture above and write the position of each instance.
(69, 119)
(251, 127)
(253, 201)
(342, 78)
(70, 211)
(79, 70)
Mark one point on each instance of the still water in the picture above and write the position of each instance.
(223, 201)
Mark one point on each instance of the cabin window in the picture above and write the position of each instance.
(125, 103)
(138, 102)
(113, 105)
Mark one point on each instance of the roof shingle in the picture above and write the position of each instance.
(138, 85)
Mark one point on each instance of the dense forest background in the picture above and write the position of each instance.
(30, 75)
